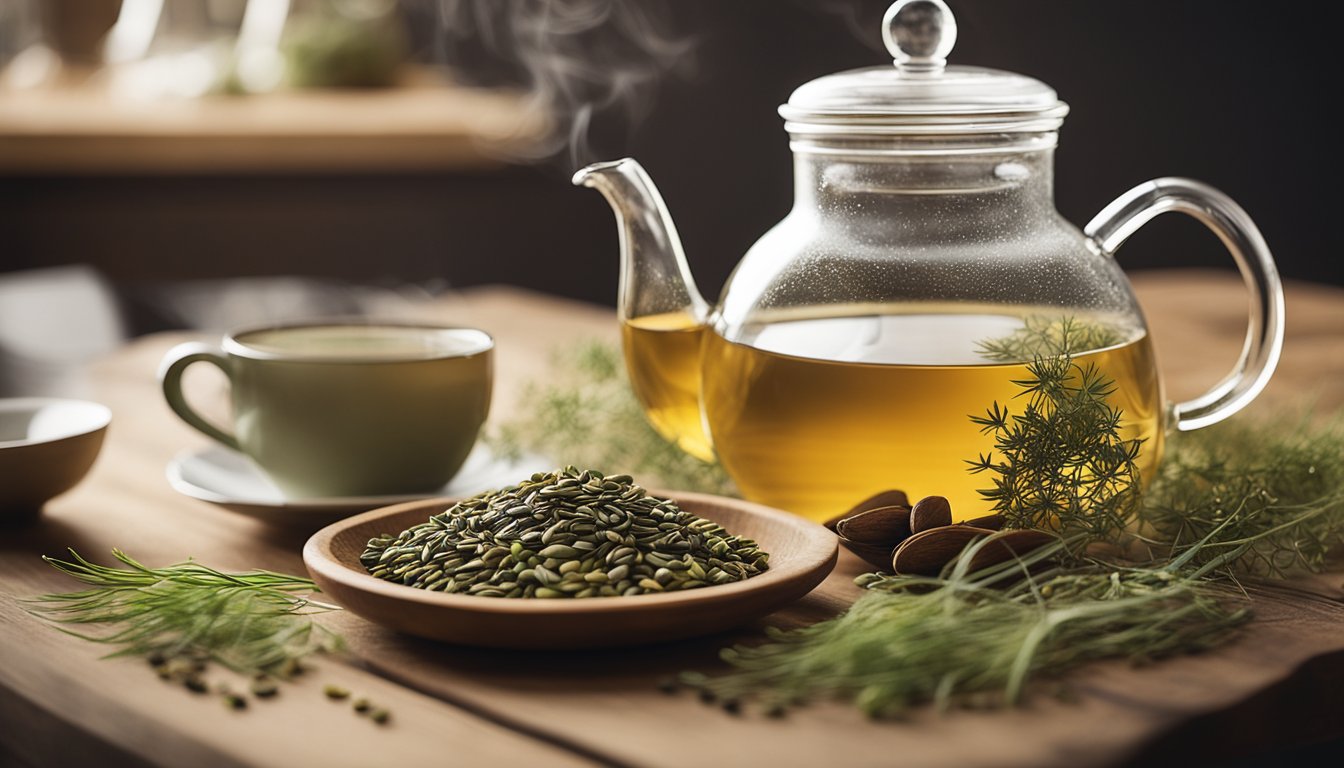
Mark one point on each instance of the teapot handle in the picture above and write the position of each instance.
(1264, 335)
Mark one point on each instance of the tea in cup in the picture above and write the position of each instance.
(347, 409)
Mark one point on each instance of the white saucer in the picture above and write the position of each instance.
(230, 480)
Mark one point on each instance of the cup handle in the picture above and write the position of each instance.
(1264, 334)
(170, 376)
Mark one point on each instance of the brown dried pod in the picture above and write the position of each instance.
(1007, 545)
(884, 526)
(991, 522)
(892, 498)
(930, 512)
(927, 552)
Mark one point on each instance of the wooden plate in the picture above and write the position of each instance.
(802, 553)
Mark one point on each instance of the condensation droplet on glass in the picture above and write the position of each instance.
(1011, 172)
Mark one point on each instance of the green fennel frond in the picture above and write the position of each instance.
(259, 622)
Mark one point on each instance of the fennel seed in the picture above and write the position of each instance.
(568, 534)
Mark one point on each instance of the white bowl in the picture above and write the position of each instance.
(47, 445)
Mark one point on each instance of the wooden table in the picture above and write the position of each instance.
(59, 703)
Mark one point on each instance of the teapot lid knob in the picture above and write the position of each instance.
(919, 34)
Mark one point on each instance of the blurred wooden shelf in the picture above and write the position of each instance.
(418, 127)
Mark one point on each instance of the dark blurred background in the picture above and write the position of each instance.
(1226, 91)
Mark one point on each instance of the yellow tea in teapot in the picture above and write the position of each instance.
(814, 413)
(662, 358)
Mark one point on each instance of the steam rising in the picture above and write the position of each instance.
(861, 18)
(583, 60)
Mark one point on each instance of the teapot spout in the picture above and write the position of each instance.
(662, 315)
(654, 276)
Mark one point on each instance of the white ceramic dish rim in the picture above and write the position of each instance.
(187, 488)
(178, 480)
(99, 416)
(339, 572)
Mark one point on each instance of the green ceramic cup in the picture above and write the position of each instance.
(344, 409)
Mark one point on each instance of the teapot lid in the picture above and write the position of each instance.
(921, 94)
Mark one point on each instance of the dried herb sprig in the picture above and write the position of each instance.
(1060, 463)
(585, 412)
(966, 639)
(1277, 486)
(254, 623)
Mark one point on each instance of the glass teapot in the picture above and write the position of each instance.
(922, 267)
